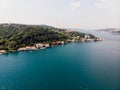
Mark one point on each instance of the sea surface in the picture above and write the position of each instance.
(75, 66)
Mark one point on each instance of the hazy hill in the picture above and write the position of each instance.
(111, 30)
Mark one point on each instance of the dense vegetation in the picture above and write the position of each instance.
(13, 36)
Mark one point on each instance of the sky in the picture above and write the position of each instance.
(83, 14)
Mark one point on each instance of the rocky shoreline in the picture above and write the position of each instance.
(40, 46)
(21, 37)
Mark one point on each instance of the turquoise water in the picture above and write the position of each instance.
(76, 66)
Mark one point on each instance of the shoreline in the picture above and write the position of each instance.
(20, 37)
(34, 48)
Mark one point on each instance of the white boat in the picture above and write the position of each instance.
(43, 48)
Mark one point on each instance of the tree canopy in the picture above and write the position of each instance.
(13, 36)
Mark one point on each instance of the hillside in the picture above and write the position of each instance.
(14, 36)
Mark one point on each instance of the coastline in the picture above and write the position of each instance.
(20, 37)
(41, 46)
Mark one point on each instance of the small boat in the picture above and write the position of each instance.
(43, 48)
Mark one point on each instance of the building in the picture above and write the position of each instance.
(3, 51)
(87, 36)
(27, 48)
(39, 45)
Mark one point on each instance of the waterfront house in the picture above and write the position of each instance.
(3, 51)
(33, 48)
(90, 40)
(39, 45)
(57, 43)
(22, 49)
(62, 42)
(27, 48)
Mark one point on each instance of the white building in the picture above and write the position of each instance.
(3, 51)
(87, 36)
(39, 45)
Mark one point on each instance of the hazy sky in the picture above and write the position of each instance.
(86, 14)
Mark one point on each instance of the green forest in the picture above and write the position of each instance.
(13, 36)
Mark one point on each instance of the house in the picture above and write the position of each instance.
(33, 48)
(3, 51)
(90, 40)
(27, 48)
(39, 45)
(78, 37)
(22, 49)
(57, 43)
(62, 42)
(87, 36)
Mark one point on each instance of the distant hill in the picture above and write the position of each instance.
(111, 30)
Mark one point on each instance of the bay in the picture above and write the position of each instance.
(75, 66)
